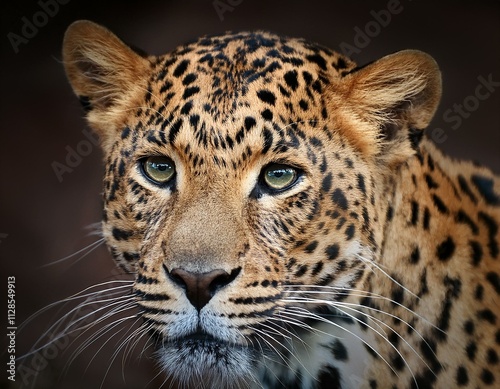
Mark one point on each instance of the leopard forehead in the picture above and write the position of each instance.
(222, 87)
(220, 71)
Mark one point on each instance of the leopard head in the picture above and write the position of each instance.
(244, 172)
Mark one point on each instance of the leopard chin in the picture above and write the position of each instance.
(200, 360)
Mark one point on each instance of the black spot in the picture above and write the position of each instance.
(464, 186)
(349, 231)
(125, 133)
(307, 77)
(341, 265)
(414, 212)
(339, 199)
(339, 351)
(487, 315)
(188, 92)
(462, 377)
(311, 247)
(479, 292)
(454, 286)
(266, 96)
(327, 183)
(394, 338)
(119, 234)
(267, 114)
(398, 362)
(268, 140)
(427, 217)
(291, 79)
(303, 105)
(428, 348)
(174, 130)
(492, 232)
(469, 327)
(415, 256)
(492, 357)
(121, 168)
(424, 288)
(430, 163)
(249, 123)
(439, 204)
(165, 87)
(361, 183)
(194, 120)
(332, 251)
(390, 213)
(186, 108)
(191, 77)
(317, 268)
(151, 296)
(328, 378)
(484, 186)
(301, 271)
(477, 252)
(445, 249)
(487, 377)
(494, 280)
(317, 59)
(462, 217)
(422, 381)
(240, 135)
(371, 351)
(181, 68)
(229, 142)
(316, 85)
(397, 295)
(430, 182)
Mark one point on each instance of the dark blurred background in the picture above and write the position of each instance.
(43, 217)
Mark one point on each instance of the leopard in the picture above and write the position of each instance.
(286, 219)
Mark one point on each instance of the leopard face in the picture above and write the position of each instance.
(251, 181)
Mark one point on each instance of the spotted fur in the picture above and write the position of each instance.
(378, 268)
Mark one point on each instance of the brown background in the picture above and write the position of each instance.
(45, 219)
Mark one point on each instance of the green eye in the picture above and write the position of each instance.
(158, 169)
(279, 177)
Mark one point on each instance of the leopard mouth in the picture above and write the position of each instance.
(199, 355)
(201, 342)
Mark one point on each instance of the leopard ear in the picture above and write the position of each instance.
(398, 96)
(104, 73)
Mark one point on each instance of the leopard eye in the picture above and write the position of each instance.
(279, 177)
(158, 169)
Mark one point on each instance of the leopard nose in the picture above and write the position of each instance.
(201, 287)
